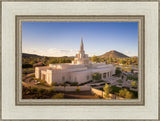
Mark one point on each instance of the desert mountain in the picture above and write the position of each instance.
(114, 54)
(30, 55)
(111, 54)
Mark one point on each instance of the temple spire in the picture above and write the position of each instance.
(81, 48)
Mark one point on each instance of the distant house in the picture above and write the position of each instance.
(80, 70)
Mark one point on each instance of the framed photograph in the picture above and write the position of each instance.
(80, 60)
(64, 74)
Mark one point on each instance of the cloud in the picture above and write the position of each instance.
(129, 53)
(52, 52)
(126, 52)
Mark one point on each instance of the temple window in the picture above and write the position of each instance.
(63, 78)
(69, 77)
(87, 77)
(75, 79)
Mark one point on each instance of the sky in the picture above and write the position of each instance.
(58, 39)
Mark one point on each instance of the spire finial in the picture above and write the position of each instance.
(81, 48)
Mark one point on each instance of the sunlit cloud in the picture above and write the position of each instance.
(51, 52)
(129, 53)
(54, 52)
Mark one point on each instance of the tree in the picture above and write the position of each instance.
(34, 89)
(58, 96)
(27, 66)
(45, 60)
(118, 71)
(129, 95)
(132, 71)
(126, 94)
(54, 83)
(102, 60)
(110, 59)
(32, 62)
(134, 83)
(41, 90)
(120, 81)
(107, 90)
(94, 59)
(96, 76)
(74, 84)
(122, 61)
(52, 90)
(78, 89)
(121, 93)
(63, 84)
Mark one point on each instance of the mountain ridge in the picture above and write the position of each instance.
(110, 54)
(114, 54)
(30, 55)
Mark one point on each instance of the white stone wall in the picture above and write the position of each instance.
(81, 77)
(67, 72)
(66, 66)
(102, 94)
(43, 75)
(60, 76)
(49, 76)
(37, 72)
(72, 88)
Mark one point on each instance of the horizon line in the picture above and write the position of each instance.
(74, 55)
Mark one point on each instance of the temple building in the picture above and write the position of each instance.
(80, 70)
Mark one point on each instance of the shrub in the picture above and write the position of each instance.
(74, 84)
(101, 81)
(126, 94)
(52, 90)
(115, 89)
(97, 96)
(85, 83)
(118, 71)
(96, 76)
(132, 71)
(107, 90)
(129, 77)
(30, 80)
(135, 94)
(58, 96)
(102, 84)
(32, 75)
(41, 90)
(78, 89)
(68, 82)
(27, 66)
(23, 75)
(54, 84)
(120, 81)
(63, 84)
(34, 89)
(122, 93)
(129, 95)
(42, 82)
(134, 83)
